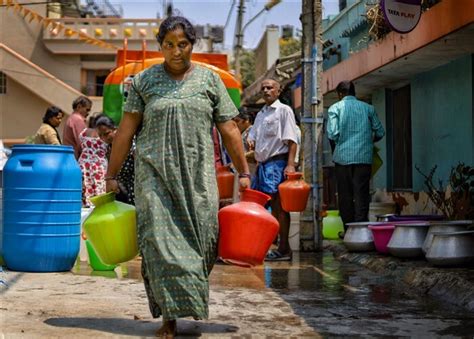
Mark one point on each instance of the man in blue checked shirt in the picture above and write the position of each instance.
(353, 127)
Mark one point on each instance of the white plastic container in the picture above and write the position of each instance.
(294, 233)
(83, 256)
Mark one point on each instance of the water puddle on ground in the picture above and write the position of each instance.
(340, 298)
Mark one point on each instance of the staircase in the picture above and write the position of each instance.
(37, 80)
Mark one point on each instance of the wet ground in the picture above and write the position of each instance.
(330, 297)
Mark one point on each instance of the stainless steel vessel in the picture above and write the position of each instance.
(444, 226)
(407, 239)
(358, 237)
(451, 248)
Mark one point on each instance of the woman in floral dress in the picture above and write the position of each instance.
(93, 164)
(106, 129)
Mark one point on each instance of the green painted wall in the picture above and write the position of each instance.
(442, 118)
(378, 101)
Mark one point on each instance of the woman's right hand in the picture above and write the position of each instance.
(112, 186)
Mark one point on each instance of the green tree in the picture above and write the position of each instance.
(247, 67)
(289, 46)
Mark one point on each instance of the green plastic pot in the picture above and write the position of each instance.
(94, 260)
(112, 230)
(332, 225)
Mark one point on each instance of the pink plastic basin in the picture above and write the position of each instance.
(382, 235)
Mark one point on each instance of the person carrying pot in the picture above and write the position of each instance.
(274, 139)
(177, 103)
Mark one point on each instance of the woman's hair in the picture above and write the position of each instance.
(51, 112)
(174, 22)
(104, 120)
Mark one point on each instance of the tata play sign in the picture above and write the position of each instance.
(402, 15)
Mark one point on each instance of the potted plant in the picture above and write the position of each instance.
(456, 200)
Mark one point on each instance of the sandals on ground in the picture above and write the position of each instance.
(275, 255)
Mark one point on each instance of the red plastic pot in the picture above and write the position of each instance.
(246, 230)
(225, 182)
(294, 193)
(382, 235)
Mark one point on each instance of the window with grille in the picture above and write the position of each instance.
(3, 83)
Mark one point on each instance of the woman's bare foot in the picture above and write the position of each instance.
(167, 330)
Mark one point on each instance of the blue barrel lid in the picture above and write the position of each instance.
(43, 148)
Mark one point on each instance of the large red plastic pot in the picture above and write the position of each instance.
(246, 230)
(225, 182)
(294, 193)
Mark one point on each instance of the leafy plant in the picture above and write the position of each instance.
(456, 201)
(289, 46)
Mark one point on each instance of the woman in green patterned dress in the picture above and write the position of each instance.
(177, 103)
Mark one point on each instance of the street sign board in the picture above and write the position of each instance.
(402, 15)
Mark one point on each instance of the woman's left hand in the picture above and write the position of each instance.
(244, 183)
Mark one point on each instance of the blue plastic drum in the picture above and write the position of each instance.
(42, 208)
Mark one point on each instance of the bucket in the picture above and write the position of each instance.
(382, 235)
(379, 208)
(41, 208)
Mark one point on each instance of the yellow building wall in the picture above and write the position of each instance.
(26, 39)
(21, 111)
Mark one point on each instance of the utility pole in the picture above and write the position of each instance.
(312, 119)
(239, 34)
(239, 31)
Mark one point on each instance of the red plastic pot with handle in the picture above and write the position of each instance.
(246, 230)
(294, 193)
(225, 182)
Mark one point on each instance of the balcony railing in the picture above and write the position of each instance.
(109, 29)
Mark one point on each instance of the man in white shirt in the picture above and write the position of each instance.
(274, 139)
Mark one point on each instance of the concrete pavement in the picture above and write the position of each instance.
(314, 296)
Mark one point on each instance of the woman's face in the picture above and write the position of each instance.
(177, 51)
(56, 121)
(106, 134)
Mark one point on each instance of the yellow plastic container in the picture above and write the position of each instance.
(112, 230)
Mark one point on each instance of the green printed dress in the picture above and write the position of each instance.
(175, 186)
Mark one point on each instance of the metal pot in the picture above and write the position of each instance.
(407, 239)
(358, 237)
(384, 217)
(451, 248)
(444, 226)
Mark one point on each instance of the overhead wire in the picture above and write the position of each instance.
(229, 14)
